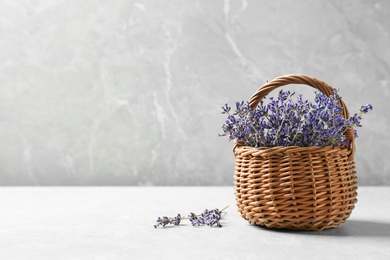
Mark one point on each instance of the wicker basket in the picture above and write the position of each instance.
(303, 188)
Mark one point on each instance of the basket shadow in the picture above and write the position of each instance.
(351, 228)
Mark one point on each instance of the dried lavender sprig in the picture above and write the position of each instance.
(209, 218)
(162, 222)
(213, 217)
(196, 220)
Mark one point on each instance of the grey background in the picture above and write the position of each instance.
(129, 92)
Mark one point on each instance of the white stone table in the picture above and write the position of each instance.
(117, 223)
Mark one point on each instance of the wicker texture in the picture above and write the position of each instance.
(303, 188)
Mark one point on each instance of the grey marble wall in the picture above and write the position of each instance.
(129, 92)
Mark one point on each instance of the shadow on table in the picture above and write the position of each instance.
(351, 228)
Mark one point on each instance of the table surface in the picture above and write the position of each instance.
(117, 223)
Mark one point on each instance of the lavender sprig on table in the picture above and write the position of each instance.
(288, 122)
(212, 217)
(208, 217)
(162, 222)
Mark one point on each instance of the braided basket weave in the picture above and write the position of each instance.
(302, 188)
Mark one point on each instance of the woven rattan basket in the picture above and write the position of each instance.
(303, 188)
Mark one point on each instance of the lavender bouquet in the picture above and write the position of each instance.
(289, 121)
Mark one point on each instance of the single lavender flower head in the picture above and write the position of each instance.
(162, 222)
(196, 220)
(212, 217)
(225, 109)
(365, 108)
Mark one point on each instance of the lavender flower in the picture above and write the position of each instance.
(285, 122)
(365, 108)
(208, 217)
(212, 217)
(162, 222)
(196, 220)
(226, 109)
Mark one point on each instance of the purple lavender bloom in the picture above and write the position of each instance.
(212, 217)
(176, 220)
(285, 122)
(208, 217)
(196, 220)
(355, 120)
(225, 109)
(162, 222)
(365, 108)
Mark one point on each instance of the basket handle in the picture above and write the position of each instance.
(306, 80)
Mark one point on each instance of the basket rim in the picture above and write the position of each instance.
(265, 151)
